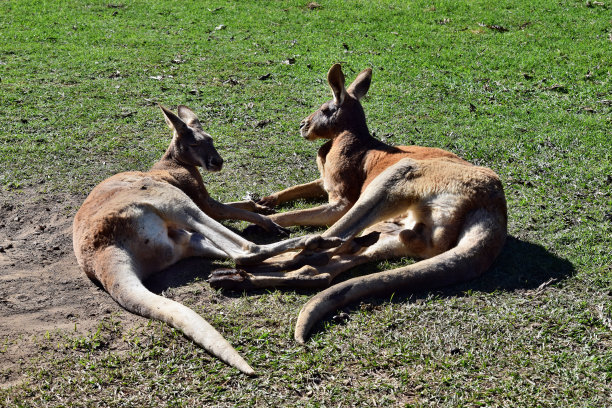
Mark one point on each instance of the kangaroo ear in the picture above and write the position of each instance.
(335, 77)
(174, 122)
(361, 84)
(188, 116)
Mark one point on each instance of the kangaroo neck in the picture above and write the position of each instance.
(348, 136)
(360, 140)
(183, 176)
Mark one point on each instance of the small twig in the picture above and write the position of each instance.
(541, 288)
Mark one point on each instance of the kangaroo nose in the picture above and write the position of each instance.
(217, 162)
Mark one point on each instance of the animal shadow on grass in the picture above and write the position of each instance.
(520, 266)
(181, 273)
(198, 268)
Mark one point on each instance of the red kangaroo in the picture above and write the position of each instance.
(134, 224)
(422, 202)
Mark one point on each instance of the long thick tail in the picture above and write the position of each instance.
(479, 244)
(126, 288)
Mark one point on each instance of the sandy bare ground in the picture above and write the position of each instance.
(42, 288)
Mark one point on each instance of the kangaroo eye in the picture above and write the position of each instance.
(329, 109)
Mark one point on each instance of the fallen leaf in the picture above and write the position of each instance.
(557, 88)
(262, 123)
(156, 77)
(494, 27)
(251, 196)
(444, 21)
(313, 5)
(497, 28)
(341, 317)
(231, 81)
(220, 27)
(289, 61)
(265, 76)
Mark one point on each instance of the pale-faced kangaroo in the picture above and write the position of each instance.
(134, 224)
(423, 202)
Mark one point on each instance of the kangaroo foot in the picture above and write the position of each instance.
(306, 277)
(230, 279)
(315, 242)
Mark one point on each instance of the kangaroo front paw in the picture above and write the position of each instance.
(230, 279)
(270, 201)
(263, 209)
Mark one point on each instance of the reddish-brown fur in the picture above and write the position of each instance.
(134, 224)
(422, 202)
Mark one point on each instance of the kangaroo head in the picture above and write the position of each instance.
(344, 112)
(190, 144)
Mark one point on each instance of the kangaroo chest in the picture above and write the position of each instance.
(342, 170)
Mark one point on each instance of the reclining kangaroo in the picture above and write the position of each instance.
(134, 224)
(422, 202)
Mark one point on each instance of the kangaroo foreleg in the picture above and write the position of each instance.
(322, 215)
(313, 189)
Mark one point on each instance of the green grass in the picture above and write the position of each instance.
(79, 87)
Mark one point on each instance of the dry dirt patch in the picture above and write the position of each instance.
(42, 288)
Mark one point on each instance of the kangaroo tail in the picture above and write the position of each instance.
(479, 243)
(126, 288)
